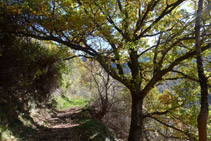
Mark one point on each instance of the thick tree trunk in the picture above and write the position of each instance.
(202, 123)
(203, 116)
(136, 118)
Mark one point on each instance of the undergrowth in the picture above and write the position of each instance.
(91, 129)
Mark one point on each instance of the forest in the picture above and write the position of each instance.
(105, 70)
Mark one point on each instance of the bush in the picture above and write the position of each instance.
(29, 72)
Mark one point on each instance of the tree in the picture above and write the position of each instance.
(204, 112)
(150, 37)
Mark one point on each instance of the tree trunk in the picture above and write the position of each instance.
(202, 124)
(136, 118)
(203, 116)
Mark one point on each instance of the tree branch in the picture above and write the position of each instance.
(161, 73)
(172, 127)
(163, 14)
(150, 7)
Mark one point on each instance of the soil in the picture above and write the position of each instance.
(59, 125)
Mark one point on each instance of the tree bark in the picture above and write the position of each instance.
(203, 116)
(136, 124)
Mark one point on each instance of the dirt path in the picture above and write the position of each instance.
(73, 124)
(60, 126)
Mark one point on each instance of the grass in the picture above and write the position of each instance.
(63, 102)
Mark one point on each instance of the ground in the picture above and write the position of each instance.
(76, 123)
(59, 125)
(72, 124)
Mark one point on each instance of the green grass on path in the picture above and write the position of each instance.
(63, 102)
